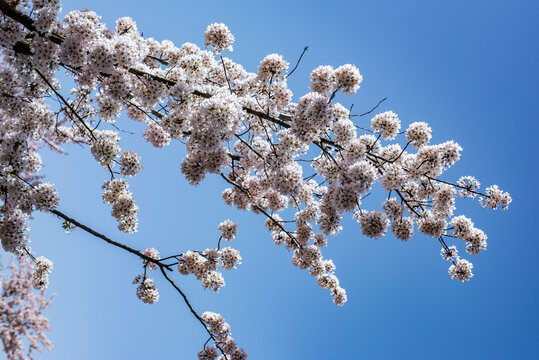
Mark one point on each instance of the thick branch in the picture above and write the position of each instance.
(25, 21)
(16, 15)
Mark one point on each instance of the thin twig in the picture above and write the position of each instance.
(297, 63)
(371, 110)
(192, 310)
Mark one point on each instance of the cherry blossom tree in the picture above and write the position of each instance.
(21, 317)
(301, 165)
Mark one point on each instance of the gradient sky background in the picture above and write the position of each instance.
(469, 68)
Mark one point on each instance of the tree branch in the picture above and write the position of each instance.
(297, 63)
(192, 310)
(109, 240)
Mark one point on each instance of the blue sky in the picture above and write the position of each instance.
(469, 68)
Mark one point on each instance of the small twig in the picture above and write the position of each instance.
(219, 243)
(374, 108)
(297, 63)
(65, 102)
(226, 76)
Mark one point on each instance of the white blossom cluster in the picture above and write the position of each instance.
(146, 291)
(154, 254)
(124, 209)
(156, 135)
(40, 275)
(13, 225)
(130, 163)
(218, 37)
(224, 343)
(228, 230)
(44, 196)
(461, 271)
(468, 185)
(204, 265)
(272, 67)
(387, 124)
(373, 223)
(463, 228)
(476, 241)
(418, 134)
(105, 148)
(496, 198)
(449, 253)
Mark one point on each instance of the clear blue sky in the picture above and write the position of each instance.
(469, 68)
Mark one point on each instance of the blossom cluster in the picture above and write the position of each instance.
(223, 341)
(228, 230)
(154, 254)
(461, 269)
(218, 37)
(130, 163)
(325, 79)
(146, 291)
(40, 275)
(204, 265)
(124, 209)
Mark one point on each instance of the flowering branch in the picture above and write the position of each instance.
(239, 125)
